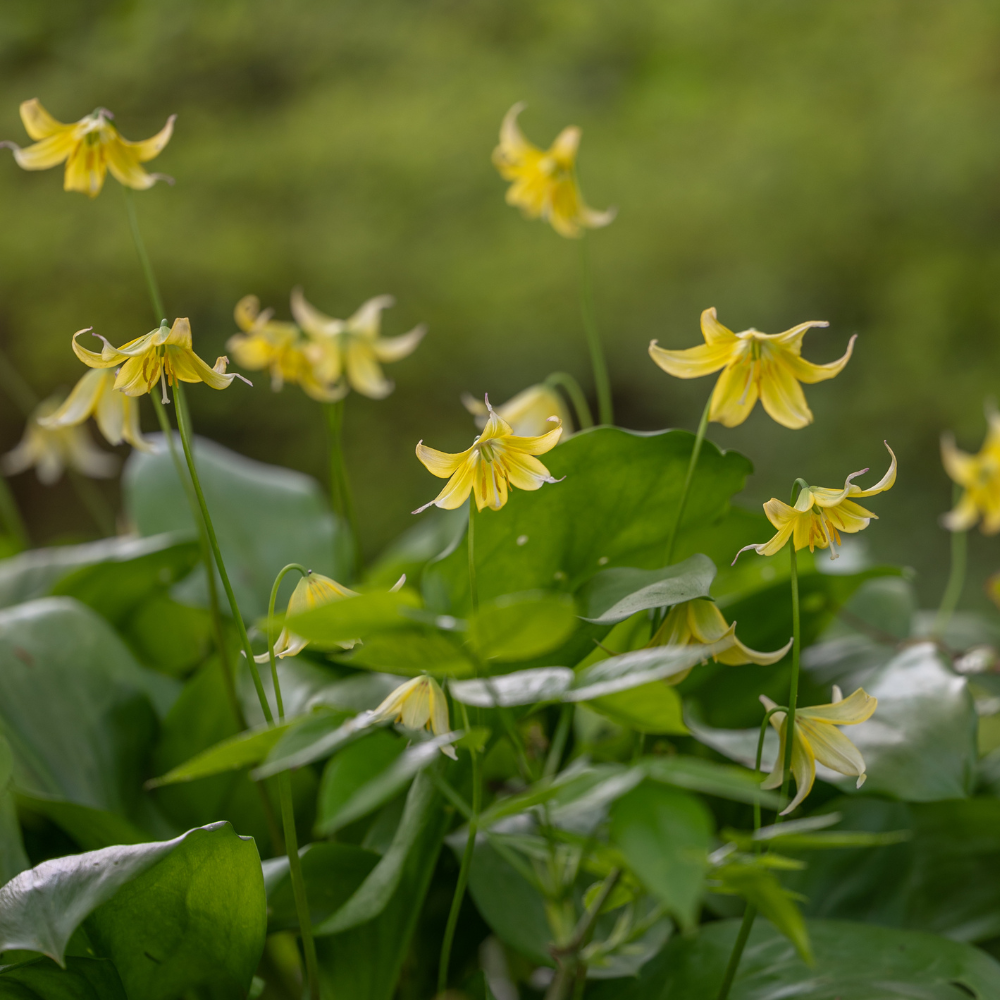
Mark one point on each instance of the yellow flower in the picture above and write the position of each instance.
(417, 703)
(353, 347)
(700, 622)
(765, 365)
(818, 738)
(163, 355)
(311, 591)
(979, 477)
(91, 147)
(544, 183)
(278, 347)
(497, 460)
(117, 415)
(50, 450)
(528, 413)
(819, 515)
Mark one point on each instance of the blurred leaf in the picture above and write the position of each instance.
(665, 834)
(82, 979)
(650, 708)
(170, 637)
(313, 738)
(350, 770)
(615, 506)
(853, 962)
(411, 652)
(524, 687)
(91, 828)
(353, 617)
(435, 531)
(618, 593)
(265, 516)
(706, 776)
(522, 626)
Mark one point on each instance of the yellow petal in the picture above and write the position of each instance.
(367, 320)
(147, 149)
(705, 620)
(138, 375)
(310, 318)
(363, 371)
(456, 491)
(849, 711)
(123, 162)
(489, 486)
(81, 402)
(809, 373)
(47, 153)
(388, 349)
(537, 445)
(692, 362)
(884, 483)
(734, 395)
(564, 149)
(959, 465)
(741, 654)
(513, 146)
(713, 331)
(86, 168)
(441, 463)
(415, 709)
(832, 748)
(525, 472)
(963, 517)
(38, 123)
(315, 590)
(781, 396)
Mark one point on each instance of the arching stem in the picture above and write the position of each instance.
(571, 387)
(688, 478)
(602, 383)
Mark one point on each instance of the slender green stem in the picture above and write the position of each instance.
(749, 915)
(184, 427)
(571, 387)
(558, 746)
(688, 478)
(473, 586)
(11, 516)
(287, 810)
(956, 579)
(95, 501)
(13, 383)
(463, 871)
(793, 687)
(602, 383)
(341, 497)
(140, 248)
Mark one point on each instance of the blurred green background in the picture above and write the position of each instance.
(782, 161)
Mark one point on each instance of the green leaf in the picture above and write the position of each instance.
(650, 708)
(265, 517)
(314, 738)
(411, 652)
(351, 769)
(524, 687)
(434, 532)
(91, 828)
(853, 962)
(170, 637)
(615, 507)
(82, 979)
(706, 776)
(173, 915)
(522, 626)
(618, 593)
(665, 834)
(75, 707)
(329, 625)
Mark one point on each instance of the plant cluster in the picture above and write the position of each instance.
(524, 751)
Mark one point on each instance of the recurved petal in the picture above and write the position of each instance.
(47, 153)
(81, 402)
(124, 166)
(963, 516)
(246, 312)
(456, 491)
(959, 465)
(180, 334)
(806, 371)
(311, 319)
(849, 516)
(252, 351)
(513, 145)
(110, 411)
(592, 218)
(368, 318)
(740, 654)
(792, 339)
(388, 349)
(832, 748)
(525, 471)
(713, 331)
(705, 621)
(692, 362)
(131, 431)
(146, 149)
(38, 123)
(439, 708)
(363, 371)
(782, 396)
(537, 445)
(188, 367)
(441, 463)
(884, 483)
(849, 711)
(734, 395)
(803, 771)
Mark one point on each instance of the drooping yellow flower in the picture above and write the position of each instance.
(95, 395)
(353, 348)
(50, 450)
(417, 703)
(267, 343)
(529, 412)
(768, 366)
(312, 591)
(164, 355)
(819, 515)
(979, 477)
(818, 738)
(497, 460)
(91, 147)
(700, 622)
(544, 182)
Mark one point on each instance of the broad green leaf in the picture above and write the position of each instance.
(385, 784)
(524, 687)
(853, 962)
(615, 507)
(650, 708)
(91, 828)
(13, 858)
(706, 776)
(314, 738)
(168, 636)
(265, 517)
(31, 574)
(351, 769)
(75, 707)
(665, 834)
(522, 626)
(411, 652)
(329, 625)
(433, 533)
(618, 593)
(82, 979)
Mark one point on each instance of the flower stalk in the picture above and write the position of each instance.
(471, 536)
(956, 578)
(688, 478)
(602, 384)
(340, 486)
(584, 418)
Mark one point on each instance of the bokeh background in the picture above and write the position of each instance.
(834, 160)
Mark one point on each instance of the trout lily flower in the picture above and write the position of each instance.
(700, 622)
(818, 738)
(529, 412)
(819, 515)
(164, 355)
(353, 348)
(497, 460)
(95, 395)
(312, 591)
(543, 182)
(266, 343)
(979, 477)
(417, 703)
(768, 366)
(90, 147)
(50, 450)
